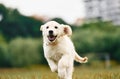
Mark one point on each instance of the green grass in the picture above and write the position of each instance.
(44, 72)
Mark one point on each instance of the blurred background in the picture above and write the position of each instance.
(95, 24)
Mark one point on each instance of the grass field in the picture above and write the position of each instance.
(44, 72)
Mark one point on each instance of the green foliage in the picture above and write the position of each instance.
(14, 24)
(3, 11)
(98, 37)
(24, 52)
(2, 39)
(4, 62)
(59, 20)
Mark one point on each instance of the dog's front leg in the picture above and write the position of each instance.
(52, 64)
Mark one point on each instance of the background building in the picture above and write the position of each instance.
(106, 10)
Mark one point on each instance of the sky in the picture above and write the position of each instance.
(68, 10)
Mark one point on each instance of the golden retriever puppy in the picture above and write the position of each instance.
(59, 50)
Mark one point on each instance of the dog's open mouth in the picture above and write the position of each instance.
(51, 37)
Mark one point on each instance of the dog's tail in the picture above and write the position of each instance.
(80, 59)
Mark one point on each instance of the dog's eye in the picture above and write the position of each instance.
(47, 27)
(56, 27)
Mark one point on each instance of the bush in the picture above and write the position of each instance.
(98, 39)
(24, 52)
(4, 61)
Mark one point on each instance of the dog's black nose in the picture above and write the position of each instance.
(50, 32)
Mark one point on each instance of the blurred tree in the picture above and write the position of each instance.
(4, 58)
(24, 52)
(3, 12)
(59, 20)
(14, 24)
(98, 37)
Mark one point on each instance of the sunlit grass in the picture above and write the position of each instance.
(96, 73)
(43, 72)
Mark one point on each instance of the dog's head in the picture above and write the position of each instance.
(53, 30)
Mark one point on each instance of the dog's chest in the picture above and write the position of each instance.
(55, 53)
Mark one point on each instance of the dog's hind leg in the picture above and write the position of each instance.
(70, 70)
(62, 72)
(65, 67)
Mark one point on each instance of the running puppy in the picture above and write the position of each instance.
(59, 50)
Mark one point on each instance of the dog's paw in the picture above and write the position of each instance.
(54, 69)
(85, 59)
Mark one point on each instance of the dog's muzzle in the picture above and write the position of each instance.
(51, 36)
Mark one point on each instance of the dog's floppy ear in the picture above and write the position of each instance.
(41, 27)
(67, 30)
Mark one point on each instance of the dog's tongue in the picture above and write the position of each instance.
(51, 38)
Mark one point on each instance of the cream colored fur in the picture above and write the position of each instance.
(60, 52)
